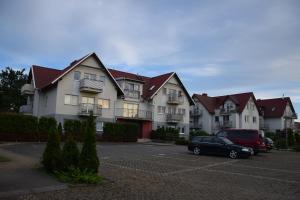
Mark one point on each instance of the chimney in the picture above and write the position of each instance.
(204, 94)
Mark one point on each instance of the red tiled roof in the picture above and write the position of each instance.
(212, 103)
(43, 76)
(274, 108)
(149, 82)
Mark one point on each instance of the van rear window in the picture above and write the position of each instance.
(243, 134)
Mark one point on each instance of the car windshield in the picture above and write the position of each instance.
(226, 141)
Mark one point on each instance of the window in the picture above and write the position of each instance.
(103, 103)
(164, 90)
(172, 91)
(181, 111)
(216, 118)
(130, 110)
(90, 76)
(246, 118)
(254, 120)
(179, 93)
(161, 109)
(87, 100)
(171, 110)
(131, 87)
(102, 78)
(77, 75)
(71, 99)
(182, 130)
(99, 126)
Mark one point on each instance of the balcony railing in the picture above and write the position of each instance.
(86, 109)
(174, 118)
(93, 86)
(225, 124)
(195, 113)
(224, 111)
(27, 89)
(134, 94)
(175, 99)
(26, 109)
(133, 113)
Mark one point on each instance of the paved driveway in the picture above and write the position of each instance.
(139, 171)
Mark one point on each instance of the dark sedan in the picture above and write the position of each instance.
(269, 143)
(218, 146)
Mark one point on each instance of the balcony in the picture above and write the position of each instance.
(174, 118)
(174, 99)
(134, 94)
(133, 114)
(225, 124)
(85, 109)
(224, 111)
(26, 109)
(27, 89)
(196, 113)
(92, 86)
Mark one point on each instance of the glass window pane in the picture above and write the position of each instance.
(74, 100)
(86, 75)
(93, 76)
(67, 99)
(77, 75)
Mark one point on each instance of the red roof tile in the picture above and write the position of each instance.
(153, 83)
(274, 108)
(212, 103)
(43, 76)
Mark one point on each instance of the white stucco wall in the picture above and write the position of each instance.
(248, 111)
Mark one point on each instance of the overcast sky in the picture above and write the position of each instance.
(216, 47)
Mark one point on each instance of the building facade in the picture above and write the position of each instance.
(113, 96)
(212, 114)
(277, 114)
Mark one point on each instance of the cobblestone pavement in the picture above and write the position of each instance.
(140, 171)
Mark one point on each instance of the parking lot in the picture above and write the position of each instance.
(151, 171)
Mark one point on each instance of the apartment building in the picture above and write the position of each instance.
(212, 114)
(276, 114)
(113, 96)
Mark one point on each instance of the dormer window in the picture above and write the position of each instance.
(273, 109)
(152, 87)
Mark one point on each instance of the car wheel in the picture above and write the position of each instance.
(196, 150)
(233, 154)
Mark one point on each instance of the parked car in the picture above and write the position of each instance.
(245, 137)
(269, 143)
(217, 146)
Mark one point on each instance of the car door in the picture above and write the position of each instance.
(218, 146)
(205, 145)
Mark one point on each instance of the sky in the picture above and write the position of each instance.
(216, 47)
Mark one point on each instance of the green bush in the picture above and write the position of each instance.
(280, 143)
(271, 135)
(46, 124)
(197, 133)
(59, 129)
(88, 158)
(166, 134)
(290, 137)
(181, 141)
(297, 138)
(75, 175)
(12, 123)
(74, 127)
(296, 148)
(70, 153)
(120, 132)
(52, 159)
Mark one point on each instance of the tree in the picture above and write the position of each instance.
(11, 82)
(70, 153)
(52, 156)
(88, 158)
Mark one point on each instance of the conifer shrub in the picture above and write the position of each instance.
(88, 159)
(52, 156)
(70, 153)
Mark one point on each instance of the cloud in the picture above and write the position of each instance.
(205, 71)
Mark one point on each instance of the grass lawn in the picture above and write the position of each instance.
(4, 159)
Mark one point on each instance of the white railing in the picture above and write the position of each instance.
(87, 85)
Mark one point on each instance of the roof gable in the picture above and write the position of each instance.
(45, 77)
(212, 103)
(274, 108)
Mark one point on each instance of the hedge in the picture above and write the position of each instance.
(166, 134)
(16, 127)
(75, 128)
(198, 133)
(120, 132)
(19, 127)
